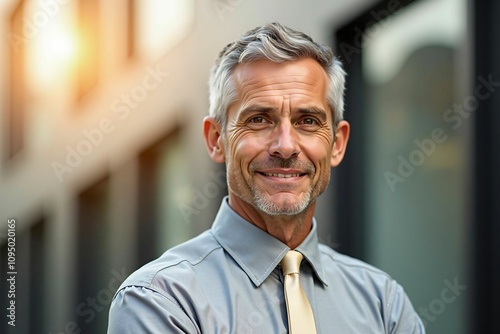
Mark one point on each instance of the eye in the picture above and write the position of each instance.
(309, 123)
(258, 122)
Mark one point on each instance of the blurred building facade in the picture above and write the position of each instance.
(104, 167)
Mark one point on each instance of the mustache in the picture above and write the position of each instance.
(277, 162)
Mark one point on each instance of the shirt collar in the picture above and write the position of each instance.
(241, 239)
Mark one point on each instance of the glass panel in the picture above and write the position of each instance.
(418, 158)
(37, 276)
(173, 189)
(17, 82)
(92, 266)
(161, 24)
(89, 31)
(163, 187)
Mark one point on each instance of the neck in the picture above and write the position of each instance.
(289, 229)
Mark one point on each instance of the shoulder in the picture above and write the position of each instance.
(360, 281)
(156, 297)
(348, 264)
(354, 274)
(180, 259)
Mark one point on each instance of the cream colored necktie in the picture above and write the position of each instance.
(300, 315)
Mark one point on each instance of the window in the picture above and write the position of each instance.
(89, 32)
(4, 300)
(17, 84)
(37, 276)
(22, 283)
(93, 266)
(131, 22)
(30, 280)
(408, 172)
(161, 25)
(163, 188)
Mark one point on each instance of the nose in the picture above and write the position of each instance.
(285, 142)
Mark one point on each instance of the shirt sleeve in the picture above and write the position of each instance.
(137, 310)
(401, 316)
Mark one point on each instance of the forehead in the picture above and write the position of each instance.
(303, 78)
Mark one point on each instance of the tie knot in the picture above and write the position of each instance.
(291, 262)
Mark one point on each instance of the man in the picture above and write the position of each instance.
(276, 104)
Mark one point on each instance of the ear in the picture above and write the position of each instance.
(340, 144)
(212, 131)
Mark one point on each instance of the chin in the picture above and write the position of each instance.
(282, 206)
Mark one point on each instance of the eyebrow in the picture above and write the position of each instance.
(318, 112)
(255, 108)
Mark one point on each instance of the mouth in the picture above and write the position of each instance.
(282, 175)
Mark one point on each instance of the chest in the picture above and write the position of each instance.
(236, 305)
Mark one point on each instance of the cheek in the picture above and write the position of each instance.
(318, 148)
(319, 153)
(243, 148)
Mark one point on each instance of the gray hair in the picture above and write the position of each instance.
(278, 44)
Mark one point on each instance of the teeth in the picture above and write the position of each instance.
(281, 175)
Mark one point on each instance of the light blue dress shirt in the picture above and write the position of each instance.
(227, 280)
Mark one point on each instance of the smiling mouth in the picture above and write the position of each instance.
(280, 175)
